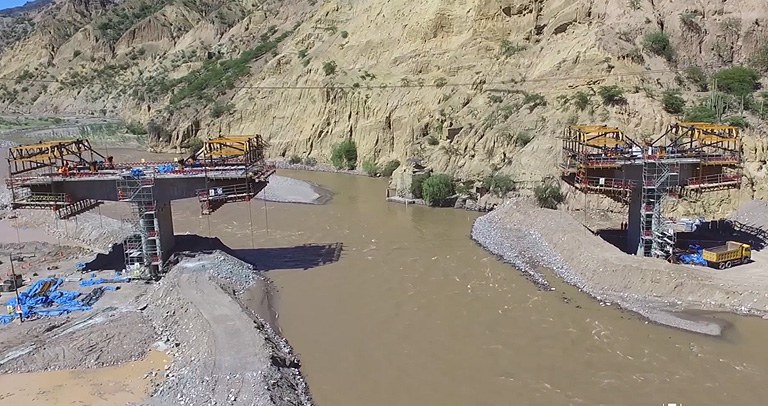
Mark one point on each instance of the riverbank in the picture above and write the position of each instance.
(531, 238)
(244, 361)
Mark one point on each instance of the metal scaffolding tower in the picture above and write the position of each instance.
(142, 250)
(657, 238)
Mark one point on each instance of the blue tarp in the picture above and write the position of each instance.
(53, 302)
(97, 281)
(166, 168)
(695, 255)
(137, 172)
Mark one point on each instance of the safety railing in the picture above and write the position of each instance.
(714, 179)
(608, 183)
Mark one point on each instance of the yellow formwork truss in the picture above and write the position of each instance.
(25, 158)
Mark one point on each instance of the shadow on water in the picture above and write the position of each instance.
(304, 257)
(299, 257)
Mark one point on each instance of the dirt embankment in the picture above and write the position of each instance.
(223, 353)
(530, 237)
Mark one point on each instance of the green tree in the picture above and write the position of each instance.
(658, 43)
(416, 184)
(672, 102)
(582, 100)
(344, 155)
(612, 95)
(738, 80)
(436, 189)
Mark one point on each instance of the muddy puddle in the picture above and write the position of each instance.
(119, 385)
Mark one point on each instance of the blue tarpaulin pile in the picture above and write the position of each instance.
(166, 168)
(695, 255)
(98, 281)
(137, 172)
(44, 298)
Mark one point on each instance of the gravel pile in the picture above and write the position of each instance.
(189, 338)
(532, 238)
(288, 190)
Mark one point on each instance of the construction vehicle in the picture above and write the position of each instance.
(728, 255)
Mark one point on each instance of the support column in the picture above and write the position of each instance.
(633, 223)
(164, 220)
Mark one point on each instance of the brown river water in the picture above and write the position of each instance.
(415, 313)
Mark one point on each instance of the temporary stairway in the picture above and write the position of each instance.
(142, 250)
(657, 239)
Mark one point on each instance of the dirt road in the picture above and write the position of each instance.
(239, 352)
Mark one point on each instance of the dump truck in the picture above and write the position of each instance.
(728, 255)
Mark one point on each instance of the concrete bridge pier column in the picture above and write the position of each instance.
(164, 225)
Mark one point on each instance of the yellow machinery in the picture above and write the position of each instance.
(728, 255)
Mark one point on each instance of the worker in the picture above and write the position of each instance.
(64, 170)
(110, 162)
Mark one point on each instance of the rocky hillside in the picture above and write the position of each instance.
(468, 87)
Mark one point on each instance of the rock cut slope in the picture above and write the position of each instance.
(469, 88)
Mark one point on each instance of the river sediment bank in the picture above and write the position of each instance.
(530, 237)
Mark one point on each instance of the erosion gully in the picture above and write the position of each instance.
(414, 313)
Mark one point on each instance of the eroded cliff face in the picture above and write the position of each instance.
(460, 85)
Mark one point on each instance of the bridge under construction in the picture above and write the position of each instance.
(688, 159)
(69, 177)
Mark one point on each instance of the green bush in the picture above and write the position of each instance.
(499, 184)
(135, 128)
(523, 138)
(329, 68)
(302, 53)
(548, 195)
(436, 189)
(672, 102)
(658, 43)
(738, 80)
(737, 121)
(344, 34)
(370, 168)
(507, 48)
(701, 113)
(612, 95)
(309, 161)
(432, 140)
(416, 184)
(344, 155)
(390, 167)
(582, 100)
(696, 75)
(533, 100)
(294, 159)
(220, 109)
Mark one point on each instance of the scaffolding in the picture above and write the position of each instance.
(599, 159)
(142, 250)
(657, 238)
(593, 157)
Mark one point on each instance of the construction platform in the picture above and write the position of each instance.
(687, 159)
(56, 175)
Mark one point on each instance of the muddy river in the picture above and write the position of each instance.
(414, 313)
